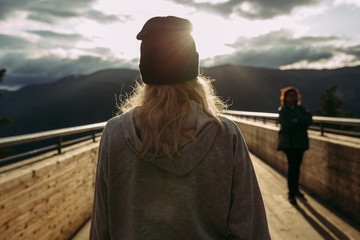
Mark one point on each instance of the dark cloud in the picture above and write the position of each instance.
(275, 57)
(63, 8)
(52, 11)
(255, 9)
(48, 15)
(278, 48)
(49, 35)
(60, 13)
(280, 38)
(8, 42)
(354, 51)
(12, 45)
(100, 50)
(16, 55)
(8, 8)
(101, 17)
(54, 67)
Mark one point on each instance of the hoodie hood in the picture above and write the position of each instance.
(191, 154)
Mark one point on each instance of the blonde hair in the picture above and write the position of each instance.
(160, 111)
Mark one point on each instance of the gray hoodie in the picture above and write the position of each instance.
(209, 192)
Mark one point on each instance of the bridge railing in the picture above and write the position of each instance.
(92, 131)
(87, 132)
(320, 123)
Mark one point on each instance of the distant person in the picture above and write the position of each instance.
(293, 138)
(170, 167)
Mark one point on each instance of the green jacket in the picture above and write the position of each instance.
(296, 130)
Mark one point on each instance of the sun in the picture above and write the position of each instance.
(211, 35)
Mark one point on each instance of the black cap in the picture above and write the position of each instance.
(168, 51)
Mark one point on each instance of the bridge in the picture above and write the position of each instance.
(49, 193)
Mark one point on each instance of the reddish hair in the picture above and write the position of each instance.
(285, 91)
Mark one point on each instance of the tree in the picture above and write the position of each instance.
(2, 74)
(330, 104)
(4, 120)
(4, 151)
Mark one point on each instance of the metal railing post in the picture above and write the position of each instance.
(93, 136)
(59, 144)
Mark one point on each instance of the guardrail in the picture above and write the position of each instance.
(57, 134)
(320, 120)
(92, 129)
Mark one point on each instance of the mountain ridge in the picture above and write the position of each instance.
(84, 99)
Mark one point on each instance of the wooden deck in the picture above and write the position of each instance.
(309, 220)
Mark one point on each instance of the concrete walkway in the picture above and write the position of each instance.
(309, 220)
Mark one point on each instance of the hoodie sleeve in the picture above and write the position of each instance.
(99, 220)
(247, 218)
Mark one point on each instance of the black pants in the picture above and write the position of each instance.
(294, 157)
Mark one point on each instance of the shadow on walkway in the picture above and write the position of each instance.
(327, 226)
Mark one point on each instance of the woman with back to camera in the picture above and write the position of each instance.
(293, 138)
(170, 167)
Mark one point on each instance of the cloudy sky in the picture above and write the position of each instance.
(53, 38)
